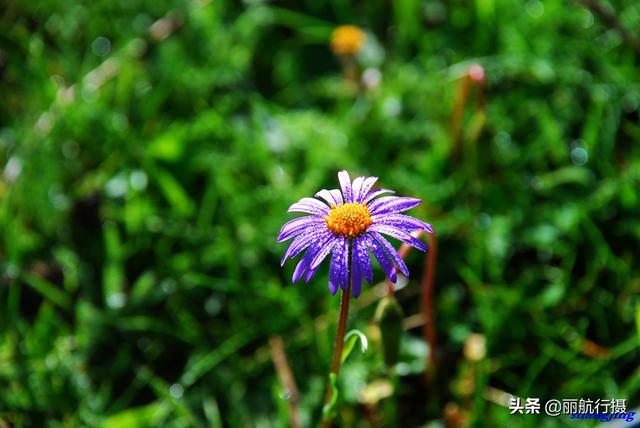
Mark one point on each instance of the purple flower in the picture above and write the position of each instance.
(349, 223)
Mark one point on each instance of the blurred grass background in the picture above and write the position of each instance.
(150, 150)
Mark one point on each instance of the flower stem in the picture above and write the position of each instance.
(337, 350)
(429, 328)
(342, 326)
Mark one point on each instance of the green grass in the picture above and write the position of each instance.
(145, 181)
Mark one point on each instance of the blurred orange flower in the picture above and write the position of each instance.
(347, 40)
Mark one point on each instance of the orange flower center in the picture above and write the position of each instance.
(348, 220)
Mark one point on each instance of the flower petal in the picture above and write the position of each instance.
(356, 276)
(298, 225)
(360, 265)
(303, 240)
(366, 186)
(310, 205)
(345, 185)
(362, 257)
(301, 267)
(356, 186)
(333, 196)
(309, 257)
(322, 254)
(392, 204)
(326, 248)
(375, 193)
(381, 256)
(339, 268)
(400, 234)
(402, 221)
(380, 201)
(333, 287)
(391, 252)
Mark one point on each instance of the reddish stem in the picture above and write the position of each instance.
(342, 326)
(475, 77)
(429, 328)
(337, 350)
(286, 378)
(403, 251)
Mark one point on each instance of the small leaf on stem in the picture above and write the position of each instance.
(350, 340)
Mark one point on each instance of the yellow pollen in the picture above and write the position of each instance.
(348, 220)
